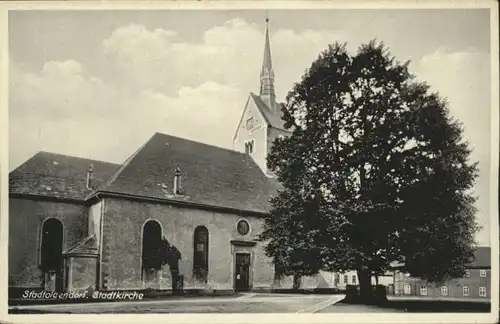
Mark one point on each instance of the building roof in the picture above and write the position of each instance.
(273, 118)
(482, 258)
(210, 175)
(267, 62)
(59, 176)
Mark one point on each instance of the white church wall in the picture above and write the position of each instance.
(255, 130)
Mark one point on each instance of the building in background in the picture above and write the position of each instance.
(476, 283)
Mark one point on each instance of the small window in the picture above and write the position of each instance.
(423, 291)
(467, 273)
(444, 291)
(465, 291)
(243, 227)
(353, 279)
(482, 291)
(346, 279)
(249, 145)
(482, 273)
(407, 289)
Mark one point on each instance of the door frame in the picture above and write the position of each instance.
(250, 269)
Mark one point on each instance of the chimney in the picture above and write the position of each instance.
(177, 181)
(90, 176)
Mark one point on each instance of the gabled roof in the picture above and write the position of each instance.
(59, 176)
(273, 118)
(210, 175)
(482, 258)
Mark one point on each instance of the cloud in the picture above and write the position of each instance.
(64, 110)
(60, 90)
(155, 81)
(228, 54)
(460, 77)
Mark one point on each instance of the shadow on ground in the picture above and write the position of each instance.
(422, 306)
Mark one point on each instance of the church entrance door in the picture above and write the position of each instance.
(242, 272)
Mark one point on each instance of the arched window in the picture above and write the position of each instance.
(51, 246)
(249, 145)
(151, 246)
(51, 259)
(200, 260)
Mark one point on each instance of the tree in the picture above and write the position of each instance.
(375, 171)
(159, 252)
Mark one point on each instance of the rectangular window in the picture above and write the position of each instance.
(407, 289)
(465, 290)
(467, 273)
(346, 278)
(354, 279)
(444, 291)
(482, 291)
(482, 273)
(337, 278)
(423, 291)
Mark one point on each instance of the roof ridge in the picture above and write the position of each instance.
(60, 155)
(201, 143)
(267, 112)
(254, 96)
(120, 169)
(74, 157)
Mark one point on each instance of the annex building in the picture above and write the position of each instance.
(76, 223)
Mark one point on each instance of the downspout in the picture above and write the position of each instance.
(101, 227)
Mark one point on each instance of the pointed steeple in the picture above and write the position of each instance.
(267, 74)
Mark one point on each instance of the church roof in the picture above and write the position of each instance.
(267, 62)
(210, 175)
(59, 176)
(273, 118)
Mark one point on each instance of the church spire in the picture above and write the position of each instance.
(267, 73)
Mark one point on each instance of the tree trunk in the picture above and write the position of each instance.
(296, 282)
(365, 285)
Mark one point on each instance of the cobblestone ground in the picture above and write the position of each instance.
(250, 303)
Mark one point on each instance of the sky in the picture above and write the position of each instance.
(98, 84)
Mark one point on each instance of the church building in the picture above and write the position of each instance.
(76, 223)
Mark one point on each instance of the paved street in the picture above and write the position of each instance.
(248, 303)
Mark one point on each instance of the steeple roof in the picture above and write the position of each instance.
(267, 74)
(267, 64)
